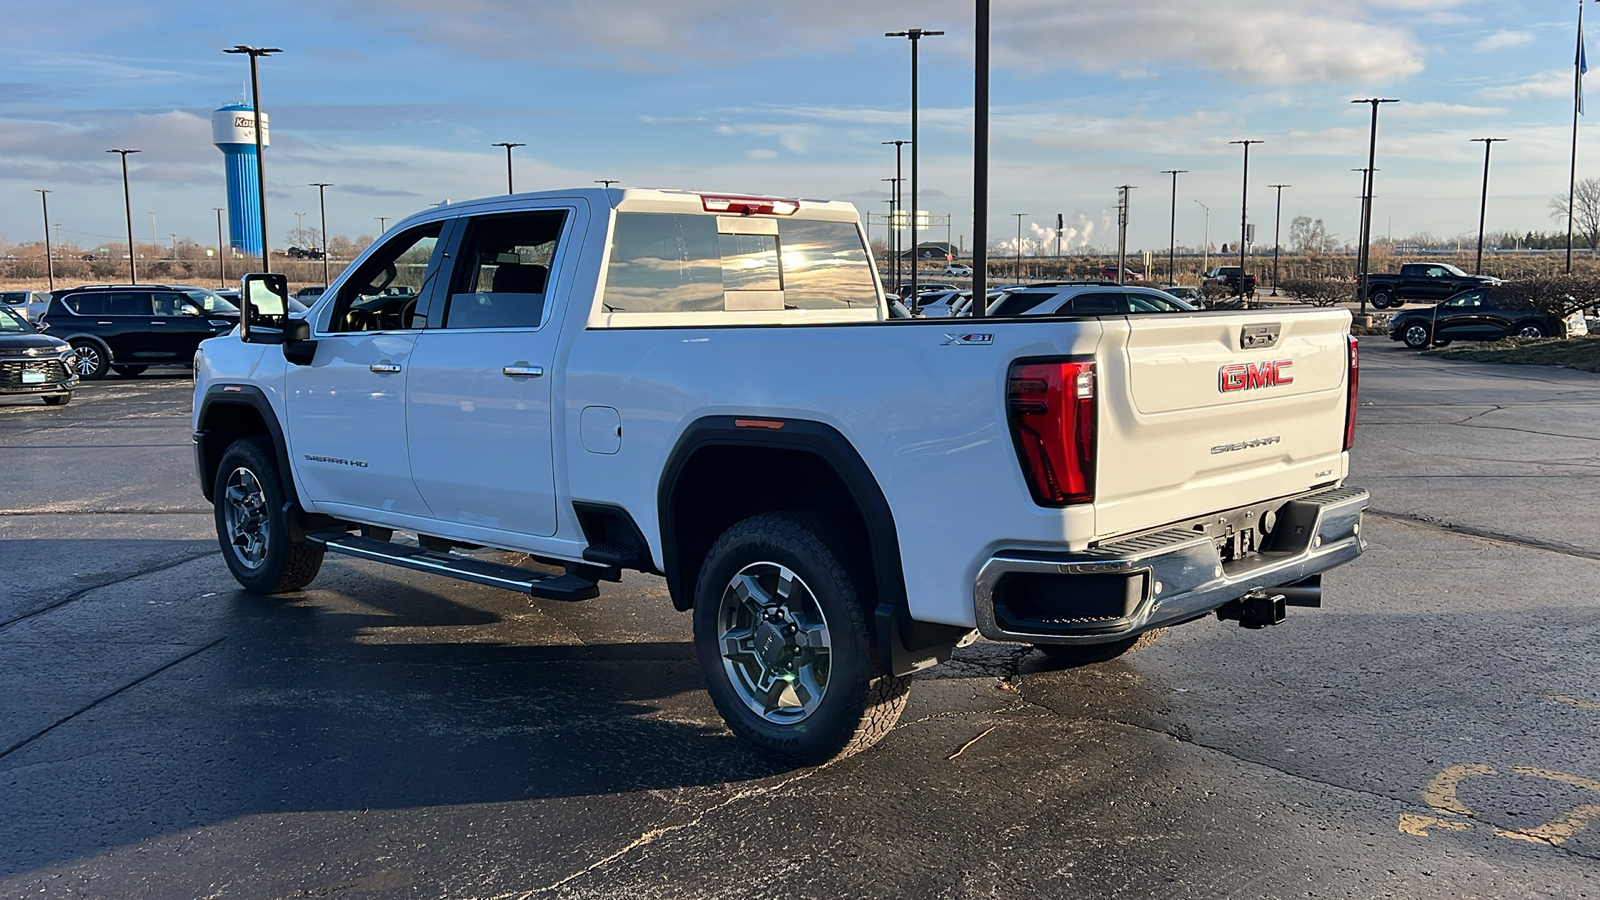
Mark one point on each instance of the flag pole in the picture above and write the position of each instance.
(1579, 66)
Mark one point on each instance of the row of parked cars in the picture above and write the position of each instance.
(52, 341)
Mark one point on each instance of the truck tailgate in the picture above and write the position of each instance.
(1226, 409)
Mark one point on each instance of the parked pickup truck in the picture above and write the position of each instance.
(1430, 282)
(709, 388)
(1231, 276)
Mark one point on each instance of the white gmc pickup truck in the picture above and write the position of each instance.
(709, 388)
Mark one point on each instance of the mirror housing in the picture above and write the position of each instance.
(263, 308)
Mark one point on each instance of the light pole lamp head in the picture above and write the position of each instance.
(253, 51)
(915, 34)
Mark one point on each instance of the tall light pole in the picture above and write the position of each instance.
(980, 160)
(255, 54)
(897, 214)
(893, 239)
(1244, 209)
(1122, 228)
(1364, 256)
(607, 182)
(1172, 237)
(1483, 205)
(222, 272)
(322, 206)
(1019, 244)
(155, 242)
(508, 145)
(1277, 226)
(1205, 243)
(127, 207)
(915, 36)
(49, 261)
(381, 226)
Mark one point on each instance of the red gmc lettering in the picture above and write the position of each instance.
(1249, 376)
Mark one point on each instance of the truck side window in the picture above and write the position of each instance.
(502, 271)
(383, 293)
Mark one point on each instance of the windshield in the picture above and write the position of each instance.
(11, 323)
(211, 301)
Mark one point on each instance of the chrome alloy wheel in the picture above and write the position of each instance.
(1416, 335)
(88, 359)
(245, 509)
(775, 644)
(1531, 330)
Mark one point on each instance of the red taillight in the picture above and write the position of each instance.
(749, 206)
(1051, 408)
(1350, 398)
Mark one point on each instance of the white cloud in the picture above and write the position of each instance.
(760, 154)
(1260, 41)
(1502, 39)
(1555, 83)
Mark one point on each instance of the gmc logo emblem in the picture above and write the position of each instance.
(1249, 376)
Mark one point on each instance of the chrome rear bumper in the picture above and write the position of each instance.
(1169, 576)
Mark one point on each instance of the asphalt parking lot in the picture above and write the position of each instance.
(1431, 732)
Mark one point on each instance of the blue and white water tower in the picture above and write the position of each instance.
(233, 130)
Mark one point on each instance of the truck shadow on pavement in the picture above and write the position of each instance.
(402, 700)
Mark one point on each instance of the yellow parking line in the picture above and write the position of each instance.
(1574, 701)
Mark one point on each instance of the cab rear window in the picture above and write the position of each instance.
(664, 262)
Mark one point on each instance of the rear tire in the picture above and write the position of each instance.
(1530, 330)
(781, 631)
(253, 524)
(93, 362)
(57, 399)
(1089, 654)
(129, 371)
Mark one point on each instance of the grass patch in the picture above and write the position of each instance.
(1581, 353)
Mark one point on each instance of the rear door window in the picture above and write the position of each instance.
(502, 272)
(128, 303)
(1095, 303)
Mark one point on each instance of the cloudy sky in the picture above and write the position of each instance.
(397, 102)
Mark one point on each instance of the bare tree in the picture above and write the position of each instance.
(1585, 213)
(1307, 235)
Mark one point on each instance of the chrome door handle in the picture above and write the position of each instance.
(523, 371)
(384, 368)
(157, 322)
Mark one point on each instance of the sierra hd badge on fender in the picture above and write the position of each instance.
(1249, 376)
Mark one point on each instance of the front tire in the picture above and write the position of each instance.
(780, 628)
(57, 399)
(1530, 330)
(1417, 336)
(1089, 654)
(93, 362)
(253, 524)
(1384, 300)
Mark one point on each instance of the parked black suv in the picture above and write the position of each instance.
(130, 327)
(1481, 314)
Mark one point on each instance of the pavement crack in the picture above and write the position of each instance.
(107, 583)
(655, 834)
(1438, 524)
(107, 696)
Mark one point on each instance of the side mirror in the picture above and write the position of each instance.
(264, 305)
